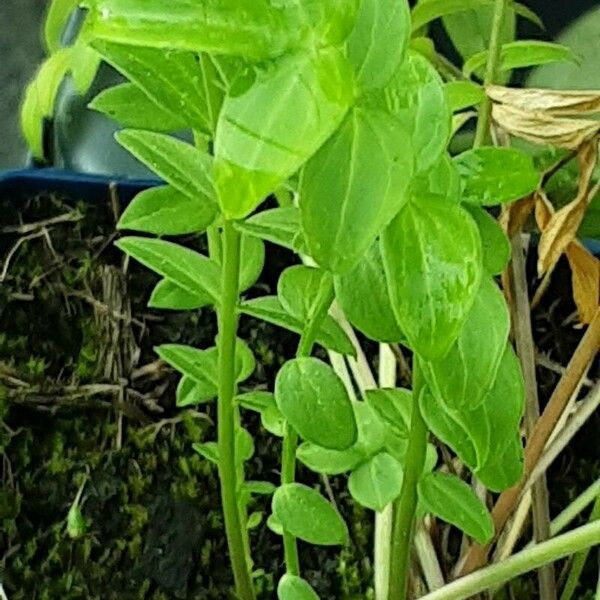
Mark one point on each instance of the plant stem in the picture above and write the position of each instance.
(290, 438)
(491, 70)
(227, 418)
(522, 562)
(406, 505)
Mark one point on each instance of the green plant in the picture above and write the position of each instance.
(338, 103)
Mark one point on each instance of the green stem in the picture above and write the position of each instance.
(491, 71)
(290, 438)
(406, 505)
(227, 417)
(527, 560)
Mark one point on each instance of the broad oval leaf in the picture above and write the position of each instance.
(186, 168)
(496, 246)
(464, 376)
(416, 96)
(279, 226)
(463, 94)
(314, 400)
(379, 41)
(451, 499)
(189, 270)
(299, 287)
(505, 468)
(394, 407)
(129, 106)
(353, 187)
(268, 308)
(292, 587)
(165, 211)
(496, 175)
(432, 258)
(252, 261)
(377, 482)
(327, 461)
(364, 297)
(167, 295)
(191, 393)
(442, 179)
(305, 514)
(273, 120)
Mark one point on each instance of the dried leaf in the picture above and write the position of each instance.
(552, 102)
(543, 210)
(562, 227)
(542, 128)
(513, 219)
(586, 281)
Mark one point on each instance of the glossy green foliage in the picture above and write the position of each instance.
(186, 87)
(167, 295)
(166, 211)
(305, 98)
(370, 313)
(463, 377)
(304, 513)
(441, 179)
(253, 29)
(393, 406)
(299, 290)
(200, 366)
(189, 270)
(496, 175)
(292, 587)
(252, 261)
(57, 16)
(353, 187)
(269, 309)
(129, 106)
(327, 461)
(379, 41)
(181, 165)
(463, 94)
(376, 482)
(430, 10)
(432, 258)
(416, 96)
(451, 499)
(264, 404)
(315, 402)
(496, 246)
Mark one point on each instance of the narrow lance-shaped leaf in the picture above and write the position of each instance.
(379, 41)
(451, 499)
(463, 377)
(189, 270)
(273, 120)
(432, 258)
(430, 10)
(496, 175)
(315, 402)
(56, 20)
(353, 187)
(304, 513)
(377, 482)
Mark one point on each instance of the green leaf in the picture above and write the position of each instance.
(496, 175)
(496, 246)
(280, 226)
(416, 96)
(428, 11)
(522, 54)
(441, 179)
(298, 290)
(55, 21)
(85, 62)
(208, 450)
(252, 261)
(451, 499)
(327, 461)
(273, 120)
(244, 446)
(187, 169)
(463, 94)
(253, 29)
(379, 41)
(254, 520)
(191, 393)
(371, 437)
(464, 376)
(353, 187)
(268, 308)
(377, 482)
(165, 211)
(129, 106)
(432, 257)
(264, 403)
(189, 270)
(182, 85)
(292, 587)
(363, 296)
(305, 514)
(40, 96)
(274, 525)
(394, 407)
(259, 488)
(169, 296)
(504, 468)
(314, 400)
(524, 11)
